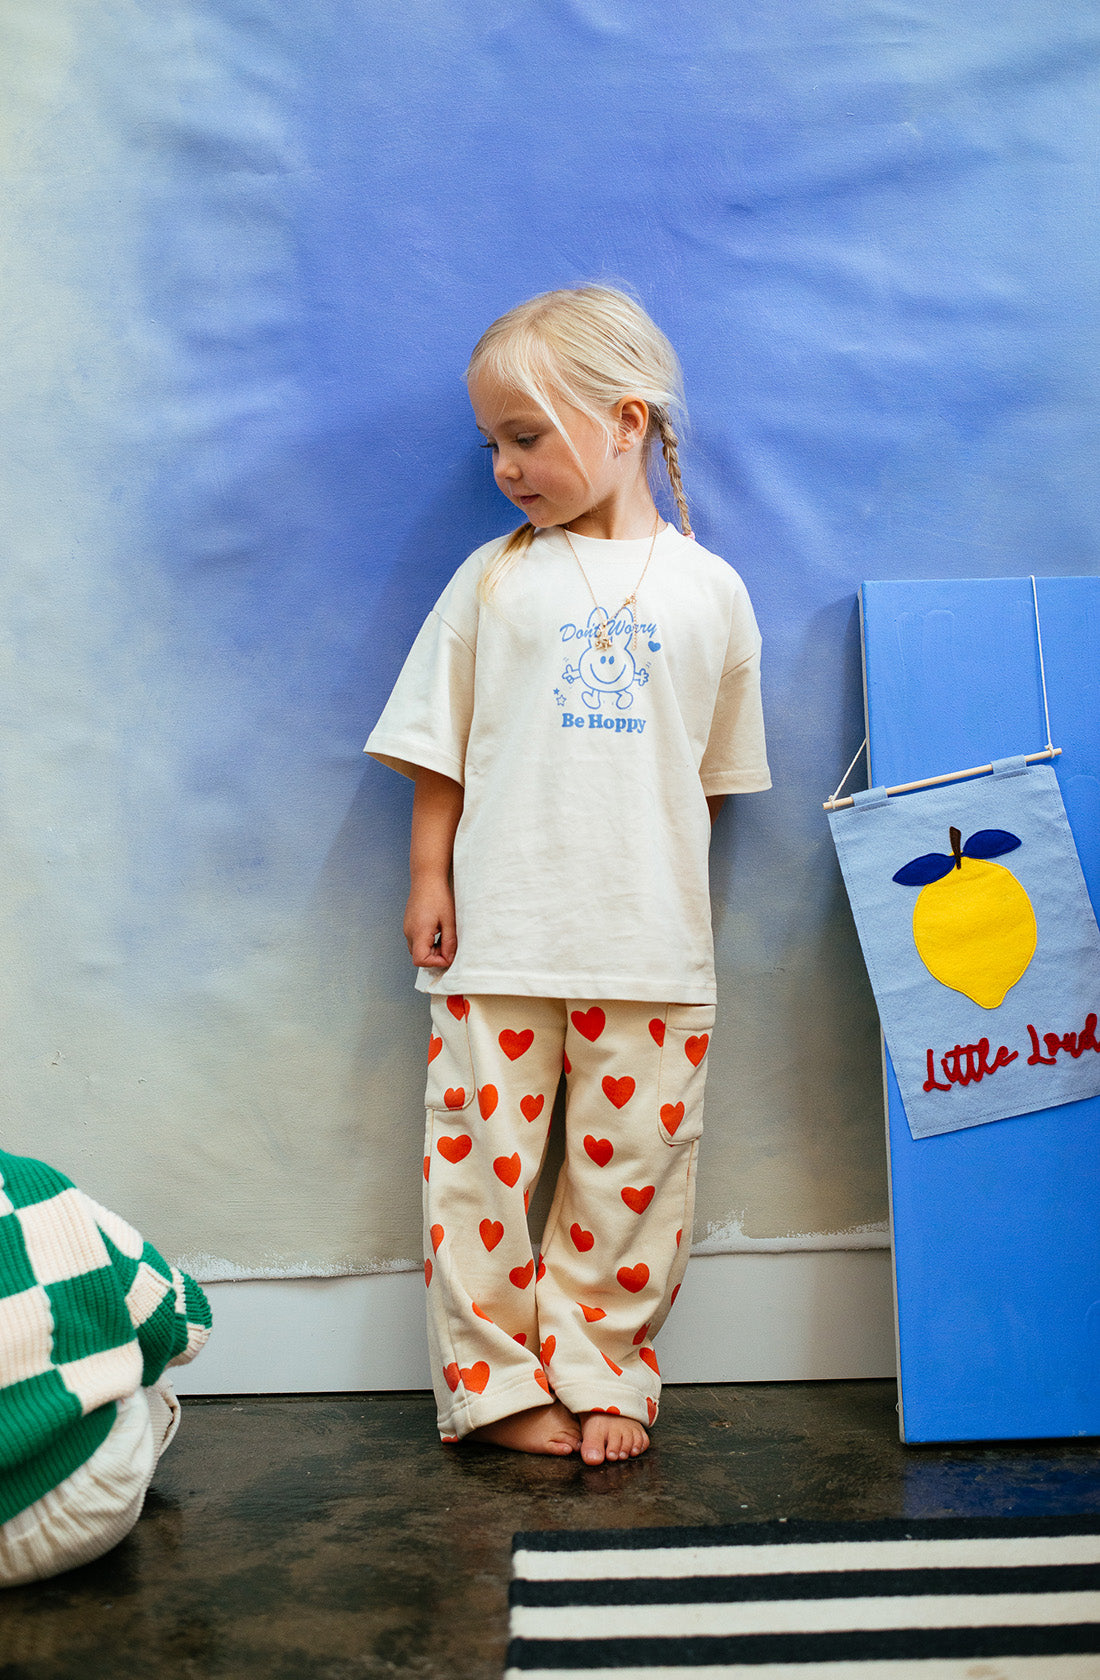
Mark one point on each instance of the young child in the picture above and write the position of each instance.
(581, 693)
(90, 1316)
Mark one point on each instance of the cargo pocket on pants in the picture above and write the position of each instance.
(683, 1071)
(450, 1088)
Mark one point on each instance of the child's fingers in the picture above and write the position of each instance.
(434, 949)
(448, 940)
(430, 928)
(424, 949)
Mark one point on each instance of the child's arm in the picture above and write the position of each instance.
(430, 912)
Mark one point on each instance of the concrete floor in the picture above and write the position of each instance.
(333, 1538)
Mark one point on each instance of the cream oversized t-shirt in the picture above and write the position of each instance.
(580, 861)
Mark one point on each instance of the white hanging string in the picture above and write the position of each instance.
(1049, 751)
(831, 803)
(1042, 666)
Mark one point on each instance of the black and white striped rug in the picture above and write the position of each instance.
(950, 1599)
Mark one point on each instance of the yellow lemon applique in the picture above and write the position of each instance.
(973, 924)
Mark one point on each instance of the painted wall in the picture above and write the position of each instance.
(245, 251)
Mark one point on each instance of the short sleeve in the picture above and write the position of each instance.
(735, 759)
(426, 720)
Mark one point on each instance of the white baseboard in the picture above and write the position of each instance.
(790, 1317)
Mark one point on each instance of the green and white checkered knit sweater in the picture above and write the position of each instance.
(88, 1314)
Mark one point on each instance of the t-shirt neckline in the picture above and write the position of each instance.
(611, 548)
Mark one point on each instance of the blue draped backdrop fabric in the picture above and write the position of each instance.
(245, 251)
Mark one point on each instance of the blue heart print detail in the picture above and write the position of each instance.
(654, 647)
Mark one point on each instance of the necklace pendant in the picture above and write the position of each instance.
(601, 637)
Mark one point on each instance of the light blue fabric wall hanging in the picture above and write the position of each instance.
(980, 942)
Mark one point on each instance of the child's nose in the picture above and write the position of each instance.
(507, 466)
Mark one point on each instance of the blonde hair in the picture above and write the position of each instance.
(591, 346)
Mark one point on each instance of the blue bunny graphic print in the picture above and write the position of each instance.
(609, 673)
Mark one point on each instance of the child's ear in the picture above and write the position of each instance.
(631, 422)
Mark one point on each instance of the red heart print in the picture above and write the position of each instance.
(507, 1169)
(516, 1044)
(651, 1408)
(522, 1275)
(657, 1032)
(590, 1022)
(696, 1048)
(527, 1201)
(641, 1336)
(598, 1150)
(455, 1096)
(639, 1200)
(479, 1314)
(633, 1278)
(490, 1231)
(452, 1376)
(648, 1357)
(618, 1370)
(459, 1007)
(427, 1167)
(582, 1240)
(674, 1294)
(546, 1351)
(487, 1099)
(592, 1314)
(455, 1149)
(436, 1235)
(567, 1066)
(671, 1115)
(449, 1440)
(428, 1273)
(679, 1234)
(540, 1378)
(435, 1045)
(521, 1338)
(475, 1377)
(606, 1411)
(531, 1107)
(618, 1091)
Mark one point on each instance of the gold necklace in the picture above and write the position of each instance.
(602, 638)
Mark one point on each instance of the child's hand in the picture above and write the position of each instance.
(430, 926)
(430, 912)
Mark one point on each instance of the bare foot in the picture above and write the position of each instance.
(605, 1436)
(541, 1429)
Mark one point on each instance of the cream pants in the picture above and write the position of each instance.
(98, 1505)
(508, 1330)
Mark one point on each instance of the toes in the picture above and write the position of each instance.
(608, 1439)
(627, 1443)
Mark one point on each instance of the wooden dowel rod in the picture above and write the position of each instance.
(940, 781)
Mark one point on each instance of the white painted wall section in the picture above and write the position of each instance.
(793, 1316)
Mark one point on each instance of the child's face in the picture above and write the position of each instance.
(532, 463)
